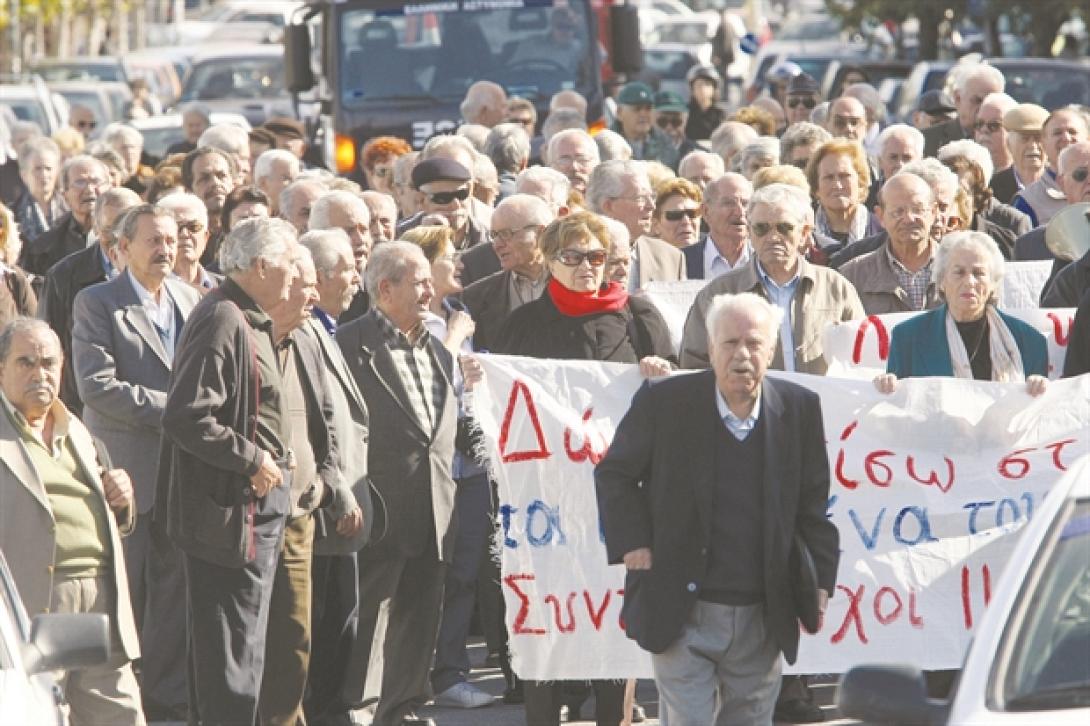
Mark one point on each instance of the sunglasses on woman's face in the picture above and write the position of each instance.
(447, 197)
(574, 258)
(676, 215)
(807, 101)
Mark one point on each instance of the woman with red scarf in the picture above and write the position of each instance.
(581, 316)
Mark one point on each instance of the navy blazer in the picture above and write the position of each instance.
(918, 346)
(694, 259)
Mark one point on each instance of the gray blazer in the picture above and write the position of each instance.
(122, 373)
(349, 424)
(409, 467)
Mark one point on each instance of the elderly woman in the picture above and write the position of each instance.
(973, 165)
(16, 298)
(377, 161)
(40, 205)
(757, 155)
(839, 177)
(799, 143)
(677, 212)
(583, 317)
(967, 337)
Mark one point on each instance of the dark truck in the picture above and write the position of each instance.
(383, 67)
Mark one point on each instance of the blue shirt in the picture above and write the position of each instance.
(107, 266)
(330, 324)
(739, 428)
(782, 297)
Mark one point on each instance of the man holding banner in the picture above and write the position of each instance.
(708, 482)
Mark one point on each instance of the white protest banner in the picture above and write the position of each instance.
(859, 348)
(1022, 283)
(927, 485)
(673, 300)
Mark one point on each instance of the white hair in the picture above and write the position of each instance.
(971, 150)
(508, 146)
(607, 181)
(479, 96)
(728, 304)
(391, 261)
(1069, 152)
(403, 167)
(968, 240)
(178, 202)
(559, 185)
(263, 167)
(612, 146)
(788, 197)
(760, 148)
(981, 72)
(1000, 100)
(252, 239)
(226, 137)
(474, 133)
(288, 192)
(934, 172)
(617, 231)
(327, 247)
(910, 134)
(74, 161)
(730, 137)
(867, 95)
(563, 135)
(528, 208)
(562, 119)
(484, 172)
(323, 205)
(118, 132)
(35, 147)
(445, 142)
(715, 161)
(802, 133)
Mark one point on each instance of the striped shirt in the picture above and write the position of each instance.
(915, 284)
(416, 369)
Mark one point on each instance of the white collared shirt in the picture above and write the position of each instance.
(739, 428)
(716, 264)
(161, 312)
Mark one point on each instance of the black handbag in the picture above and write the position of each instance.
(804, 586)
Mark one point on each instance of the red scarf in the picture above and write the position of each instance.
(611, 298)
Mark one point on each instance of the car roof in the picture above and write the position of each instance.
(253, 51)
(172, 120)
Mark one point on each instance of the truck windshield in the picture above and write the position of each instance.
(533, 48)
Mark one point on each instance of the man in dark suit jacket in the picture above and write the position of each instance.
(708, 482)
(405, 377)
(78, 270)
(972, 87)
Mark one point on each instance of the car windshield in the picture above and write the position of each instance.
(672, 64)
(533, 48)
(1050, 646)
(81, 71)
(1047, 85)
(91, 100)
(232, 78)
(690, 32)
(26, 109)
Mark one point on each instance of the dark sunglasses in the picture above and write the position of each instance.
(666, 121)
(86, 124)
(574, 258)
(761, 229)
(447, 197)
(991, 126)
(797, 101)
(1080, 174)
(676, 215)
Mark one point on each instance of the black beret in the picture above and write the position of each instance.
(803, 84)
(439, 169)
(935, 102)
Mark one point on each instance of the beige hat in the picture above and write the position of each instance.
(1025, 117)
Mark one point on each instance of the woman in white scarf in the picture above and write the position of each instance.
(967, 337)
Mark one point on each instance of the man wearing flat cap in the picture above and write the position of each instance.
(933, 108)
(634, 122)
(289, 134)
(803, 94)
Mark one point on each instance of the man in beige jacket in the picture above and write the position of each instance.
(61, 519)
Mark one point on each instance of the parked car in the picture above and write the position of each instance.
(159, 71)
(242, 21)
(247, 81)
(1029, 661)
(31, 650)
(106, 100)
(925, 76)
(161, 131)
(31, 100)
(877, 71)
(665, 65)
(81, 68)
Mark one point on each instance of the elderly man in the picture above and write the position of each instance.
(129, 145)
(96, 263)
(619, 262)
(847, 119)
(196, 118)
(621, 190)
(296, 200)
(83, 179)
(989, 132)
(274, 170)
(407, 196)
(934, 107)
(383, 211)
(574, 154)
(548, 185)
(896, 277)
(123, 337)
(192, 219)
(210, 174)
(898, 144)
(811, 297)
(234, 141)
(516, 224)
(40, 205)
(1043, 198)
(1068, 280)
(82, 119)
(971, 87)
(634, 123)
(64, 513)
(508, 147)
(701, 168)
(803, 94)
(485, 104)
(405, 377)
(234, 464)
(707, 596)
(347, 212)
(729, 138)
(726, 246)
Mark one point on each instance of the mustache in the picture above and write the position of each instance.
(162, 258)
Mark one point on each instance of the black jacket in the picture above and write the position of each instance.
(703, 121)
(656, 489)
(1004, 185)
(489, 304)
(63, 239)
(1077, 361)
(1066, 288)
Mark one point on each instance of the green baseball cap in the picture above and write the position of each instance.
(636, 94)
(670, 101)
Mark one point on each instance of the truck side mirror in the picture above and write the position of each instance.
(298, 75)
(626, 53)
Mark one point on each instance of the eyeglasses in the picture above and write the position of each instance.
(574, 258)
(808, 102)
(668, 121)
(569, 160)
(990, 126)
(900, 213)
(526, 121)
(762, 229)
(642, 199)
(447, 197)
(86, 124)
(193, 228)
(847, 122)
(1080, 174)
(676, 215)
(506, 235)
(85, 182)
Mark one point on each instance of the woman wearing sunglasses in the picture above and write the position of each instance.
(582, 317)
(677, 212)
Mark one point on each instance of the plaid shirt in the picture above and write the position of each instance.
(915, 284)
(416, 369)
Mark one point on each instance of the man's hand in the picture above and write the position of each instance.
(638, 559)
(886, 383)
(267, 477)
(823, 603)
(350, 524)
(652, 367)
(118, 488)
(472, 372)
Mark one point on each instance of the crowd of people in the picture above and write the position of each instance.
(233, 384)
